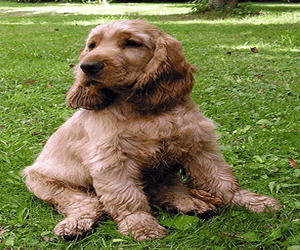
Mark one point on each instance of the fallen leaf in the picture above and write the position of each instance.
(254, 50)
(231, 236)
(264, 122)
(47, 238)
(33, 81)
(293, 163)
(251, 236)
(182, 222)
(72, 65)
(258, 75)
(44, 141)
(2, 231)
(35, 120)
(36, 133)
(49, 85)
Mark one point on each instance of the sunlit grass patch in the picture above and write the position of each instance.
(96, 8)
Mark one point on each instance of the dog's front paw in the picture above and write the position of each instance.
(71, 226)
(141, 226)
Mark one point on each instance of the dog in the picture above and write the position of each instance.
(135, 129)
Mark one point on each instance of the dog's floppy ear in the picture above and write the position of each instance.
(167, 79)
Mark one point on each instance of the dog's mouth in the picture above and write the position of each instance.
(91, 82)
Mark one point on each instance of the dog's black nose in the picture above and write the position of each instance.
(91, 67)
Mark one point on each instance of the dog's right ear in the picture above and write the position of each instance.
(167, 79)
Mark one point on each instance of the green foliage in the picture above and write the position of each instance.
(242, 9)
(227, 7)
(253, 98)
(198, 6)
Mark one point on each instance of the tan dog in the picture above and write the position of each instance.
(137, 126)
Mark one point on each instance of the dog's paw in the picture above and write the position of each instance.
(71, 226)
(141, 226)
(184, 203)
(255, 202)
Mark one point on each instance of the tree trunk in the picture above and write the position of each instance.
(222, 3)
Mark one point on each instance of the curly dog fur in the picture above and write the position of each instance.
(135, 129)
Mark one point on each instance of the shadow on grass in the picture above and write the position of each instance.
(276, 7)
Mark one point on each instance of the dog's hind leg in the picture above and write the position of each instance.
(254, 202)
(211, 173)
(82, 208)
(208, 171)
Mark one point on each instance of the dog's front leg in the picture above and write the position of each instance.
(119, 189)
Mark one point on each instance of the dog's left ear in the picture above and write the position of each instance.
(167, 79)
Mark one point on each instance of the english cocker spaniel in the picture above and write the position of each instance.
(135, 129)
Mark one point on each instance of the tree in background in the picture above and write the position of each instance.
(219, 3)
(225, 6)
(205, 5)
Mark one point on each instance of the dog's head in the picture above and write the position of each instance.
(132, 57)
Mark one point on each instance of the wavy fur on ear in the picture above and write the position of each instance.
(167, 79)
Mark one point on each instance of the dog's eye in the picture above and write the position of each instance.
(92, 45)
(132, 44)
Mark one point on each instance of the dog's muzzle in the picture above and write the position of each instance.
(91, 67)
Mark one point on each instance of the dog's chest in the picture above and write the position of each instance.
(148, 140)
(155, 138)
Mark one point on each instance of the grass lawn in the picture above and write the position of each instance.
(253, 98)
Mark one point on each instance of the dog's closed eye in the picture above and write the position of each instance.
(132, 44)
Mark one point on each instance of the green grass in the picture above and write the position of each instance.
(252, 97)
